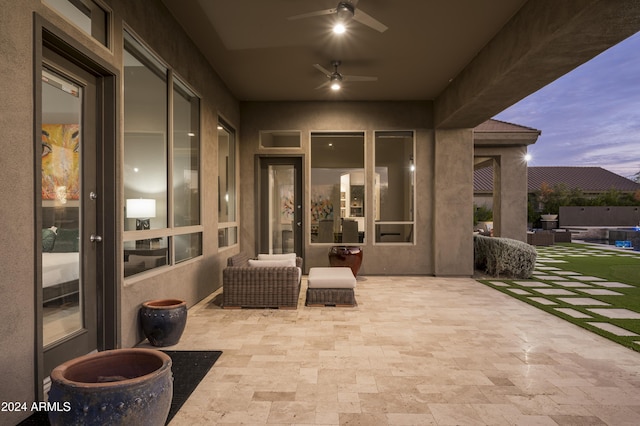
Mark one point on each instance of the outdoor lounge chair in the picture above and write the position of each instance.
(246, 286)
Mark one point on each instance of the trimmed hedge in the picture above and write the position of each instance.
(504, 256)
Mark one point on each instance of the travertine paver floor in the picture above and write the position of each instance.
(415, 351)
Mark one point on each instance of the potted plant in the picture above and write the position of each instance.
(163, 320)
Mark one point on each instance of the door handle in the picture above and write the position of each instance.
(95, 238)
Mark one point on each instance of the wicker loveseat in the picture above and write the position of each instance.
(246, 286)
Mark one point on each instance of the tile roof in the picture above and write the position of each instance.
(587, 179)
(493, 125)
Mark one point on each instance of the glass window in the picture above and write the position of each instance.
(87, 15)
(188, 246)
(227, 220)
(145, 138)
(394, 186)
(337, 188)
(186, 156)
(62, 156)
(159, 232)
(143, 255)
(280, 139)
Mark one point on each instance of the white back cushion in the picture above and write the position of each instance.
(290, 257)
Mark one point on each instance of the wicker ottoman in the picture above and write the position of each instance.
(331, 287)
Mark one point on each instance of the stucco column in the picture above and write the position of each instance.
(453, 203)
(510, 194)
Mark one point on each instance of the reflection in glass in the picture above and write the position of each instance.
(394, 187)
(186, 156)
(227, 233)
(337, 186)
(227, 236)
(281, 213)
(62, 288)
(87, 15)
(188, 246)
(143, 255)
(282, 139)
(145, 124)
(227, 175)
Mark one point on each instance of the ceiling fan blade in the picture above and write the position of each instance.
(322, 70)
(312, 14)
(358, 78)
(369, 21)
(325, 84)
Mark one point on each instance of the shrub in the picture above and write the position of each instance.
(504, 256)
(481, 214)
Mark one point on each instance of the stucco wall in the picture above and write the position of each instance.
(453, 202)
(602, 216)
(196, 279)
(191, 281)
(308, 117)
(16, 207)
(509, 201)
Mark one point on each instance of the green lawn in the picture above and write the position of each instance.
(584, 272)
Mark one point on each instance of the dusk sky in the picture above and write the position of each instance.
(589, 117)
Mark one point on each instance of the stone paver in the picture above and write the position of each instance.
(600, 292)
(613, 329)
(583, 301)
(415, 351)
(555, 291)
(616, 313)
(573, 313)
(543, 301)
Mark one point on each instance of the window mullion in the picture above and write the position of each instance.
(170, 191)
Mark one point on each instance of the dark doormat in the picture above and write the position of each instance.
(188, 367)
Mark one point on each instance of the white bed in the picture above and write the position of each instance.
(60, 273)
(59, 268)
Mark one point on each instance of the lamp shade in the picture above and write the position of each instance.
(141, 208)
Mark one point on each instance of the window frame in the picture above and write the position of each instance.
(228, 226)
(364, 134)
(170, 231)
(411, 222)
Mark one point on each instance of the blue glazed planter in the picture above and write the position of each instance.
(163, 321)
(117, 387)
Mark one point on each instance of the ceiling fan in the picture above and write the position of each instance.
(335, 79)
(345, 11)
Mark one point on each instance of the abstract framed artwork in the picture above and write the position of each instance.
(60, 162)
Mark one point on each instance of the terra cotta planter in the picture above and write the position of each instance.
(116, 387)
(350, 256)
(163, 321)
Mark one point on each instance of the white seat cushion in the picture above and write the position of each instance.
(338, 277)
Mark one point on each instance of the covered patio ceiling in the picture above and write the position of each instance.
(472, 58)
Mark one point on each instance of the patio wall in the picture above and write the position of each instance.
(599, 216)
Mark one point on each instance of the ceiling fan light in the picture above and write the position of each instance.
(335, 85)
(339, 28)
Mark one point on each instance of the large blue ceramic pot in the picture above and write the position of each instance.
(163, 321)
(116, 387)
